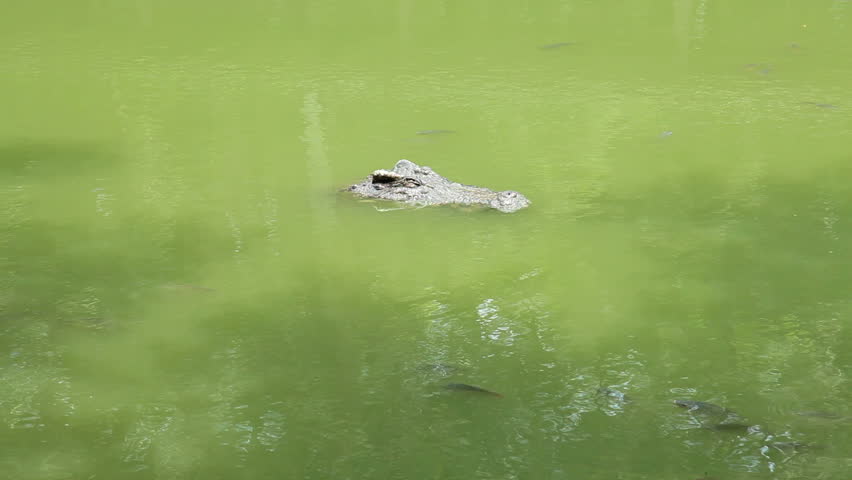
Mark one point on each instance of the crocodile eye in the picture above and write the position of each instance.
(508, 195)
(383, 179)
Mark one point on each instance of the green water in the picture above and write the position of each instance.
(185, 293)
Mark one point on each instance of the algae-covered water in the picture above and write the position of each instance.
(186, 293)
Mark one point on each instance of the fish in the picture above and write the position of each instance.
(731, 427)
(463, 387)
(552, 46)
(822, 416)
(614, 394)
(820, 105)
(714, 417)
(436, 131)
(794, 446)
(818, 414)
(186, 287)
(761, 68)
(701, 407)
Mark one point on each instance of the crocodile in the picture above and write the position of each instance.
(414, 184)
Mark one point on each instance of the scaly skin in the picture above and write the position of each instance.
(419, 185)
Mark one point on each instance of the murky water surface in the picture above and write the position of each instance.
(185, 293)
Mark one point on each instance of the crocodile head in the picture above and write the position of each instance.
(391, 179)
(509, 201)
(410, 169)
(419, 185)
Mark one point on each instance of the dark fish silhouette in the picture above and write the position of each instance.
(614, 394)
(794, 446)
(761, 68)
(818, 414)
(731, 427)
(820, 105)
(434, 132)
(714, 417)
(186, 287)
(463, 387)
(551, 46)
(702, 407)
